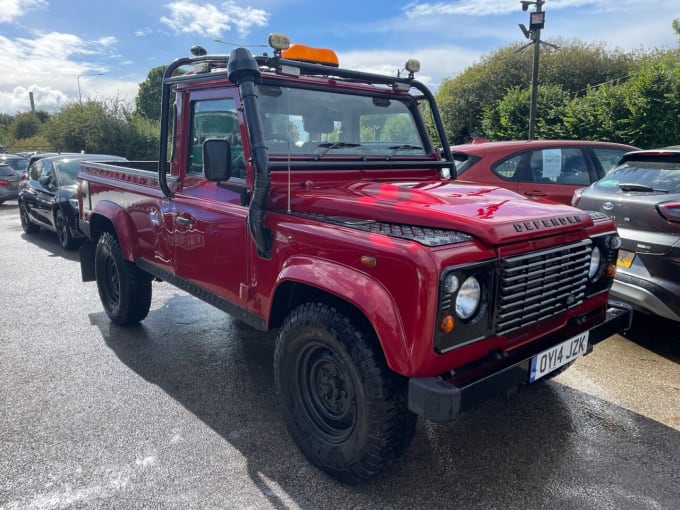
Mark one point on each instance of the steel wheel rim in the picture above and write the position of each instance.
(326, 393)
(111, 282)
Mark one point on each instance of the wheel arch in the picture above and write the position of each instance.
(355, 294)
(109, 217)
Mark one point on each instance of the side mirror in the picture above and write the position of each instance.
(45, 180)
(217, 159)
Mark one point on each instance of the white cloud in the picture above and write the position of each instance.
(45, 65)
(497, 7)
(210, 20)
(44, 98)
(107, 41)
(435, 63)
(13, 9)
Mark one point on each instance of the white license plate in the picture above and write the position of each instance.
(558, 356)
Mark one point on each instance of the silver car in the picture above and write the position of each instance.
(9, 181)
(642, 194)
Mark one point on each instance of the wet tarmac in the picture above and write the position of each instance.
(180, 412)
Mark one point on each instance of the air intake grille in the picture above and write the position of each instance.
(540, 285)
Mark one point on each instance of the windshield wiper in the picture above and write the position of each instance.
(333, 145)
(632, 186)
(404, 147)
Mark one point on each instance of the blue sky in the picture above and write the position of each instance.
(56, 47)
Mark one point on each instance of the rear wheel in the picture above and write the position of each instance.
(66, 240)
(124, 289)
(26, 223)
(345, 409)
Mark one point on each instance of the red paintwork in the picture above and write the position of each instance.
(201, 235)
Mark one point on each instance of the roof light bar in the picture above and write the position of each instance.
(306, 53)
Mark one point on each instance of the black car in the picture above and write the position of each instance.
(48, 195)
(642, 194)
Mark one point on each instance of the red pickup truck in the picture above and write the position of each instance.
(300, 196)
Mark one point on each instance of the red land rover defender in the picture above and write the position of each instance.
(298, 195)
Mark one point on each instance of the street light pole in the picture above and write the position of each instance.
(536, 23)
(80, 97)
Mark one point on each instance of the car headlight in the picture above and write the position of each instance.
(74, 203)
(468, 298)
(451, 283)
(595, 263)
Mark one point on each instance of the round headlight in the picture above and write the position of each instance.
(451, 283)
(468, 298)
(615, 242)
(595, 259)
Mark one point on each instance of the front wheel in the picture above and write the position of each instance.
(124, 289)
(26, 223)
(345, 409)
(66, 239)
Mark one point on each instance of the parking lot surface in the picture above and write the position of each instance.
(180, 412)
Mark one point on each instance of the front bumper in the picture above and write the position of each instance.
(647, 296)
(435, 399)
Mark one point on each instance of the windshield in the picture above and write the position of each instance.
(659, 174)
(67, 171)
(321, 124)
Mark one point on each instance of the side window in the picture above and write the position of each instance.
(34, 171)
(575, 168)
(215, 118)
(513, 168)
(558, 166)
(608, 157)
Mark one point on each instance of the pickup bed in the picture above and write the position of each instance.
(300, 196)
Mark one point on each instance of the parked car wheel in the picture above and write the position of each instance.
(344, 408)
(26, 224)
(66, 240)
(124, 289)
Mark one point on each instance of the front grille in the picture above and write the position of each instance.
(542, 284)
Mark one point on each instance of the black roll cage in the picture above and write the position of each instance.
(276, 63)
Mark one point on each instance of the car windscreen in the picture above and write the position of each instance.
(464, 161)
(659, 174)
(320, 124)
(67, 171)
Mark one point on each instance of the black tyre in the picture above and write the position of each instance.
(66, 240)
(26, 223)
(124, 289)
(345, 409)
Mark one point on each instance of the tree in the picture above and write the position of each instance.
(508, 119)
(148, 100)
(107, 127)
(465, 100)
(641, 111)
(26, 125)
(652, 98)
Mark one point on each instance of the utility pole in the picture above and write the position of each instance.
(536, 23)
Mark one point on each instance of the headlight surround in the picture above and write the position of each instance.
(464, 313)
(468, 298)
(595, 263)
